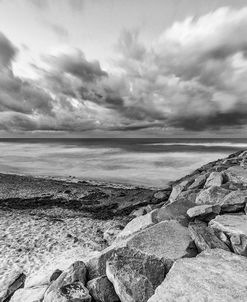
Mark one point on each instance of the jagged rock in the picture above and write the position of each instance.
(189, 195)
(74, 292)
(55, 275)
(135, 275)
(213, 276)
(214, 179)
(10, 283)
(167, 240)
(199, 182)
(204, 211)
(111, 233)
(137, 224)
(235, 228)
(102, 290)
(177, 189)
(142, 211)
(76, 273)
(174, 211)
(234, 201)
(204, 237)
(237, 174)
(33, 294)
(212, 195)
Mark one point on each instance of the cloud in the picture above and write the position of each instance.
(59, 30)
(7, 51)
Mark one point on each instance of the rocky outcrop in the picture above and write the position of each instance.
(213, 276)
(204, 212)
(212, 195)
(135, 275)
(214, 179)
(12, 282)
(32, 294)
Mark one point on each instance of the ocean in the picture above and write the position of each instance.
(149, 162)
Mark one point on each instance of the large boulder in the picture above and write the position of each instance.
(212, 195)
(10, 283)
(214, 179)
(135, 275)
(234, 201)
(32, 294)
(205, 237)
(233, 227)
(177, 189)
(213, 276)
(70, 281)
(237, 174)
(102, 290)
(174, 211)
(167, 240)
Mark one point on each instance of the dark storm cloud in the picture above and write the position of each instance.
(7, 51)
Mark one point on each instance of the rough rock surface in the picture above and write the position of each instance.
(111, 233)
(10, 284)
(199, 182)
(135, 275)
(214, 179)
(213, 276)
(102, 290)
(237, 174)
(233, 227)
(212, 195)
(205, 237)
(234, 201)
(177, 189)
(167, 240)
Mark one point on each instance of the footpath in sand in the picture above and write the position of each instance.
(187, 242)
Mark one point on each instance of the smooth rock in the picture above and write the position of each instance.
(10, 283)
(212, 195)
(167, 240)
(235, 228)
(111, 233)
(214, 179)
(33, 294)
(102, 290)
(199, 182)
(203, 210)
(205, 237)
(234, 201)
(135, 275)
(213, 276)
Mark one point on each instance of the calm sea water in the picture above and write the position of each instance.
(146, 162)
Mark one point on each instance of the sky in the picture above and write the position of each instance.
(123, 68)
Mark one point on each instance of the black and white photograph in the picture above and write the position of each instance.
(123, 151)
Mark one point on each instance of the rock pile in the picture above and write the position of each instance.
(191, 247)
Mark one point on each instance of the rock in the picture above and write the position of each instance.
(213, 276)
(76, 273)
(235, 228)
(135, 275)
(177, 189)
(214, 179)
(212, 195)
(189, 195)
(237, 174)
(137, 224)
(204, 237)
(174, 211)
(204, 211)
(161, 195)
(234, 201)
(111, 233)
(74, 292)
(55, 275)
(33, 294)
(199, 182)
(102, 290)
(10, 283)
(167, 240)
(142, 211)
